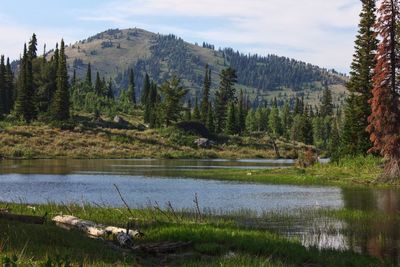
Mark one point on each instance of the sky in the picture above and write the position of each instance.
(320, 32)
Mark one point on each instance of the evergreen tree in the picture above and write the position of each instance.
(286, 120)
(206, 95)
(61, 102)
(188, 111)
(231, 124)
(3, 99)
(24, 107)
(144, 98)
(98, 88)
(241, 113)
(73, 81)
(110, 92)
(326, 105)
(88, 75)
(196, 111)
(33, 47)
(145, 90)
(171, 106)
(131, 87)
(153, 106)
(355, 137)
(251, 125)
(224, 95)
(274, 122)
(384, 121)
(334, 142)
(210, 119)
(9, 88)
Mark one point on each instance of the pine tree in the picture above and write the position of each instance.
(33, 47)
(274, 122)
(355, 138)
(9, 88)
(24, 107)
(73, 81)
(334, 142)
(173, 93)
(153, 106)
(384, 121)
(206, 95)
(210, 119)
(241, 113)
(224, 95)
(251, 125)
(231, 124)
(188, 111)
(3, 98)
(286, 120)
(144, 98)
(327, 104)
(131, 87)
(110, 92)
(98, 85)
(61, 104)
(196, 111)
(145, 90)
(88, 75)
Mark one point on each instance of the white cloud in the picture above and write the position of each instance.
(319, 31)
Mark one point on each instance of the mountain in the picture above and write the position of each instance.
(114, 51)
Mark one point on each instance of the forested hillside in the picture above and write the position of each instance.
(113, 52)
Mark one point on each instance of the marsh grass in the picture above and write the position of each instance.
(352, 172)
(218, 240)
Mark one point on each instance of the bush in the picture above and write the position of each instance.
(194, 128)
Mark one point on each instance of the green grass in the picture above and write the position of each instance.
(362, 171)
(217, 241)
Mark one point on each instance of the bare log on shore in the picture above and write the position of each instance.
(95, 230)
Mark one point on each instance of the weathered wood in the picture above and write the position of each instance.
(22, 218)
(92, 228)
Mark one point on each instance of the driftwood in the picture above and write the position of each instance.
(123, 236)
(22, 218)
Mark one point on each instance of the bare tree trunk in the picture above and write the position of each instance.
(391, 171)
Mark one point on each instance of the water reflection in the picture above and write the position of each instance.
(375, 230)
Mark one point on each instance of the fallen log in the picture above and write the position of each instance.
(97, 230)
(22, 218)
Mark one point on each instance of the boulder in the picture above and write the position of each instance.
(204, 143)
(119, 120)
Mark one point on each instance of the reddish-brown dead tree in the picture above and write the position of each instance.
(384, 122)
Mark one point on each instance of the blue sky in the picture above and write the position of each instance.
(316, 31)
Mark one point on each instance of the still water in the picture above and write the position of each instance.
(148, 181)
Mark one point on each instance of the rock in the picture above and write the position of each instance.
(119, 120)
(204, 143)
(142, 127)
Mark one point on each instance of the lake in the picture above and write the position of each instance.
(145, 182)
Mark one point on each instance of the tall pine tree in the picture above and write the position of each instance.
(206, 95)
(61, 104)
(384, 121)
(224, 95)
(355, 138)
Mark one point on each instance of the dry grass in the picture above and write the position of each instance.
(43, 141)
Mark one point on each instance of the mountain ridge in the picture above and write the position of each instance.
(113, 52)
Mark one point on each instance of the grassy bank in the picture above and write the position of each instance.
(349, 172)
(105, 139)
(216, 241)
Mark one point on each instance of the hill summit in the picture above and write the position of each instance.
(113, 52)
